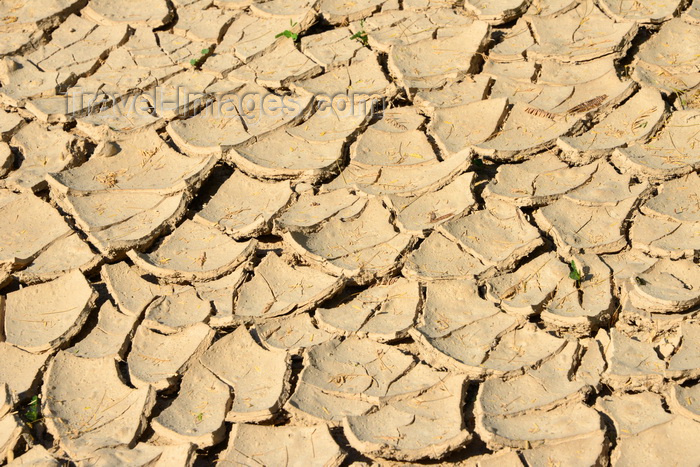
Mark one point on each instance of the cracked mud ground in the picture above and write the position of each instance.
(496, 262)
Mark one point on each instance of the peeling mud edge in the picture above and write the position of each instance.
(212, 455)
(473, 447)
(48, 27)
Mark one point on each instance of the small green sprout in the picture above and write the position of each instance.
(195, 61)
(33, 412)
(361, 35)
(574, 273)
(289, 34)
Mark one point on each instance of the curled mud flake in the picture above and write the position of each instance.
(293, 333)
(587, 450)
(394, 141)
(445, 328)
(520, 349)
(525, 132)
(663, 65)
(641, 419)
(350, 377)
(279, 287)
(539, 180)
(175, 312)
(278, 68)
(299, 159)
(245, 207)
(310, 210)
(425, 263)
(37, 455)
(30, 227)
(396, 431)
(583, 33)
(330, 48)
(65, 255)
(50, 14)
(143, 454)
(667, 224)
(363, 77)
(153, 13)
(156, 359)
(255, 399)
(678, 199)
(497, 12)
(9, 123)
(685, 400)
(200, 24)
(679, 59)
(268, 445)
(395, 27)
(342, 12)
(526, 289)
(197, 414)
(457, 128)
(20, 372)
(541, 428)
(21, 70)
(672, 152)
(179, 256)
(584, 302)
(684, 362)
(383, 312)
(43, 152)
(219, 293)
(131, 292)
(419, 215)
(46, 316)
(114, 123)
(634, 10)
(410, 180)
(631, 362)
(432, 63)
(87, 406)
(109, 338)
(640, 116)
(692, 14)
(557, 382)
(67, 54)
(666, 287)
(592, 217)
(509, 238)
(363, 248)
(514, 43)
(456, 94)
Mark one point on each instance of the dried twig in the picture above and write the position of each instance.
(540, 113)
(395, 123)
(588, 105)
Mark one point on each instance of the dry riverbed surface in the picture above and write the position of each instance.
(209, 257)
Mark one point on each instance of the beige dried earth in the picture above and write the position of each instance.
(331, 232)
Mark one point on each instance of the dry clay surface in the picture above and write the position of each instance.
(486, 252)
